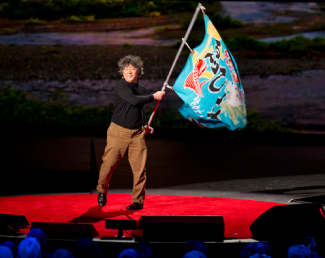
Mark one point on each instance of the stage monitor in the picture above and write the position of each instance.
(10, 224)
(66, 230)
(290, 222)
(182, 228)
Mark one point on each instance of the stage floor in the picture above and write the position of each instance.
(238, 214)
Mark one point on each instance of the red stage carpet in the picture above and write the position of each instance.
(238, 214)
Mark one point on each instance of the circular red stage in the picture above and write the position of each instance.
(238, 214)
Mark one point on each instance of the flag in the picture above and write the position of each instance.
(210, 86)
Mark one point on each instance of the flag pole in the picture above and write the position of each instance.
(198, 8)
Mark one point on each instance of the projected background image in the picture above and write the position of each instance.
(58, 62)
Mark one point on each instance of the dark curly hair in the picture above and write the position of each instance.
(133, 60)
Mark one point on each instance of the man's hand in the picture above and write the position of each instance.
(159, 95)
(149, 130)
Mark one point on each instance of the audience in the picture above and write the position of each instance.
(246, 252)
(41, 238)
(194, 254)
(62, 253)
(12, 246)
(314, 256)
(197, 245)
(5, 252)
(29, 248)
(86, 247)
(298, 251)
(35, 242)
(306, 250)
(257, 255)
(145, 250)
(256, 250)
(262, 249)
(311, 244)
(39, 235)
(129, 253)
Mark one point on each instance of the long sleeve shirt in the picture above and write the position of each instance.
(129, 100)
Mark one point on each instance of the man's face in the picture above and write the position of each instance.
(130, 74)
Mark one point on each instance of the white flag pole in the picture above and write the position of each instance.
(198, 8)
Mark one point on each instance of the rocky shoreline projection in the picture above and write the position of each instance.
(296, 99)
(102, 25)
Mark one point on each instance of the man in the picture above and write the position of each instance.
(127, 131)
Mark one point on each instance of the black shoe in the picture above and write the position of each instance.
(135, 206)
(102, 199)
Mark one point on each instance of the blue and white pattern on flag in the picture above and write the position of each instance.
(210, 86)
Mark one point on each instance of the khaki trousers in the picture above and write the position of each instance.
(119, 141)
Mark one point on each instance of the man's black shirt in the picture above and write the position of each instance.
(129, 99)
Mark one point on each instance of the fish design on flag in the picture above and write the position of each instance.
(210, 85)
(192, 80)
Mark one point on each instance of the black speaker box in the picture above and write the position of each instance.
(10, 219)
(290, 222)
(66, 230)
(182, 228)
(10, 223)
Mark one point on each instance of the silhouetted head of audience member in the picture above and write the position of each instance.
(197, 245)
(257, 249)
(12, 246)
(257, 255)
(62, 253)
(39, 235)
(145, 250)
(5, 252)
(298, 251)
(311, 244)
(29, 248)
(86, 247)
(261, 248)
(194, 254)
(313, 256)
(129, 253)
(246, 252)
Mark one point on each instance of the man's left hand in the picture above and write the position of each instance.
(149, 130)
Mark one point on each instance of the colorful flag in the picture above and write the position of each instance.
(210, 85)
